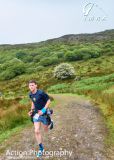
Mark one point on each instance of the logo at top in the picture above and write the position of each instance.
(93, 12)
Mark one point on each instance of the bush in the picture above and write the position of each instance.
(37, 58)
(72, 56)
(86, 56)
(13, 71)
(49, 61)
(30, 70)
(25, 57)
(21, 55)
(60, 54)
(95, 54)
(10, 64)
(64, 71)
(7, 75)
(34, 70)
(39, 68)
(18, 69)
(82, 54)
(28, 59)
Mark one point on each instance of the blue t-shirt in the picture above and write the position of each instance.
(39, 99)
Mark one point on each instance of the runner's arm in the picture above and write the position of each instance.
(45, 107)
(32, 106)
(46, 98)
(47, 104)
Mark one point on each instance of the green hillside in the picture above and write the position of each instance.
(92, 56)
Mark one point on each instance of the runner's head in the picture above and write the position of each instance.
(32, 85)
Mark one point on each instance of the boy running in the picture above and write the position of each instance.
(40, 103)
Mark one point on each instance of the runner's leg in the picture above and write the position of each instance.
(45, 127)
(38, 135)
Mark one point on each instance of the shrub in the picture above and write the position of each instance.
(30, 70)
(21, 55)
(60, 54)
(7, 75)
(83, 53)
(34, 70)
(28, 59)
(25, 57)
(64, 71)
(13, 71)
(95, 54)
(18, 69)
(39, 68)
(49, 61)
(89, 52)
(72, 56)
(37, 58)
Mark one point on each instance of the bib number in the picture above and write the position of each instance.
(36, 116)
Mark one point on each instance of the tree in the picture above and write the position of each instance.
(64, 71)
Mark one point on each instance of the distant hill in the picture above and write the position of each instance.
(85, 37)
(20, 59)
(104, 35)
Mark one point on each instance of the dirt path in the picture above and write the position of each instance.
(78, 134)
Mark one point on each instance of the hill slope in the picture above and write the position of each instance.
(16, 60)
(92, 56)
(80, 131)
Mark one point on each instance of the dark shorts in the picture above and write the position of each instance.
(42, 119)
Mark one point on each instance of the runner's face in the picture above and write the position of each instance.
(32, 87)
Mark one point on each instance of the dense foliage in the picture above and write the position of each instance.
(26, 58)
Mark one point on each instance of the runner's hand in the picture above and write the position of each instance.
(40, 113)
(30, 113)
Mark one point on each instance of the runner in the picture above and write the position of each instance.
(39, 112)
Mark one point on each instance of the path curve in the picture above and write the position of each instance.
(79, 133)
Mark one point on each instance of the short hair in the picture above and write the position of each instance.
(33, 81)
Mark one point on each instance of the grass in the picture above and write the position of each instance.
(14, 117)
(100, 89)
(13, 114)
(7, 134)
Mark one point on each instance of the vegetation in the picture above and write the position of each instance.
(64, 71)
(101, 89)
(16, 60)
(11, 107)
(91, 56)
